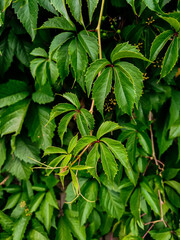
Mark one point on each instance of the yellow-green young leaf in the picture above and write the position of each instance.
(53, 150)
(13, 91)
(108, 162)
(7, 3)
(27, 13)
(111, 202)
(75, 181)
(83, 142)
(159, 42)
(72, 143)
(170, 57)
(20, 227)
(63, 231)
(54, 163)
(62, 128)
(60, 6)
(100, 91)
(153, 5)
(135, 202)
(75, 8)
(90, 43)
(6, 222)
(78, 56)
(172, 21)
(124, 91)
(161, 234)
(36, 201)
(90, 192)
(107, 127)
(81, 167)
(125, 50)
(93, 71)
(92, 4)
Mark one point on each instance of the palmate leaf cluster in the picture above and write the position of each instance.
(89, 119)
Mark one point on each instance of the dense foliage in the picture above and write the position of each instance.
(89, 119)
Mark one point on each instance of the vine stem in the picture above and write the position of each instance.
(81, 154)
(98, 30)
(4, 181)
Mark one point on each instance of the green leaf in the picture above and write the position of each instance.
(153, 5)
(93, 71)
(54, 163)
(78, 58)
(75, 8)
(81, 167)
(90, 192)
(71, 97)
(47, 5)
(82, 125)
(12, 118)
(27, 12)
(12, 201)
(20, 227)
(173, 196)
(74, 224)
(62, 128)
(43, 94)
(125, 50)
(37, 231)
(159, 42)
(36, 201)
(107, 127)
(41, 73)
(111, 202)
(58, 23)
(172, 21)
(39, 52)
(174, 108)
(51, 198)
(117, 149)
(135, 202)
(161, 234)
(124, 91)
(34, 64)
(170, 57)
(75, 183)
(2, 152)
(100, 91)
(13, 91)
(53, 150)
(132, 3)
(150, 196)
(92, 4)
(6, 222)
(108, 162)
(37, 128)
(60, 109)
(91, 161)
(83, 142)
(88, 118)
(18, 168)
(22, 51)
(52, 72)
(89, 42)
(145, 142)
(25, 149)
(136, 77)
(63, 231)
(175, 130)
(131, 146)
(174, 184)
(72, 143)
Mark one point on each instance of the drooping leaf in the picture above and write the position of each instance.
(89, 191)
(6, 222)
(20, 227)
(37, 128)
(93, 71)
(27, 12)
(72, 98)
(47, 5)
(145, 142)
(172, 21)
(124, 91)
(89, 43)
(135, 203)
(92, 4)
(82, 125)
(75, 8)
(2, 152)
(12, 117)
(170, 58)
(78, 58)
(60, 6)
(107, 127)
(63, 231)
(59, 23)
(153, 5)
(132, 3)
(100, 91)
(88, 118)
(34, 64)
(174, 184)
(72, 143)
(12, 201)
(60, 109)
(108, 162)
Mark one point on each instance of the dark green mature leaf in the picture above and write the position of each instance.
(136, 77)
(111, 202)
(93, 71)
(75, 8)
(72, 98)
(89, 191)
(37, 231)
(89, 43)
(18, 168)
(153, 5)
(174, 184)
(82, 125)
(135, 203)
(20, 227)
(60, 6)
(159, 42)
(36, 201)
(74, 224)
(100, 91)
(125, 50)
(72, 143)
(59, 23)
(54, 150)
(172, 21)
(88, 118)
(54, 163)
(173, 196)
(52, 72)
(161, 234)
(6, 222)
(47, 5)
(63, 231)
(43, 94)
(132, 3)
(35, 64)
(78, 58)
(2, 151)
(12, 201)
(60, 109)
(124, 91)
(83, 142)
(39, 52)
(175, 130)
(37, 128)
(145, 142)
(27, 13)
(170, 57)
(92, 4)
(13, 91)
(174, 108)
(108, 162)
(107, 127)
(22, 51)
(12, 117)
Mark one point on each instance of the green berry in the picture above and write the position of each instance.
(112, 26)
(104, 34)
(118, 31)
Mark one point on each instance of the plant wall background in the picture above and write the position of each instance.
(89, 119)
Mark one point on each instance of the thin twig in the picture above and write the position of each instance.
(152, 140)
(161, 209)
(81, 154)
(4, 181)
(148, 230)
